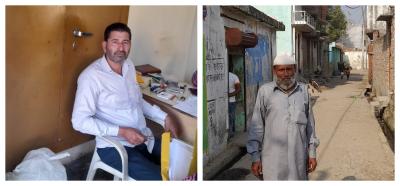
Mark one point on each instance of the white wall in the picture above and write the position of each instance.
(355, 59)
(165, 37)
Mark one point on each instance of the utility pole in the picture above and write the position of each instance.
(364, 65)
(364, 43)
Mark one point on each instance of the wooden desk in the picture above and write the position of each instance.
(186, 122)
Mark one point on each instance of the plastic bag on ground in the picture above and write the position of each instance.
(40, 164)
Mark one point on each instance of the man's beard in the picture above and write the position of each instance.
(286, 84)
(117, 57)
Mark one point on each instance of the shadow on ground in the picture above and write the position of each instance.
(233, 174)
(323, 175)
(336, 81)
(349, 178)
(77, 170)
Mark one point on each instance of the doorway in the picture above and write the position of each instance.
(236, 63)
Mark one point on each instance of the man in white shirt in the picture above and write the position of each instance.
(234, 89)
(108, 102)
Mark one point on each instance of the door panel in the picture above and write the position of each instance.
(42, 69)
(93, 19)
(33, 68)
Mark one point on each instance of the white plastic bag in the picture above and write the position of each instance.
(40, 164)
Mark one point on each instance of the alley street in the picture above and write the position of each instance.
(352, 144)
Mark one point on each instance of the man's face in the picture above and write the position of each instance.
(285, 75)
(117, 46)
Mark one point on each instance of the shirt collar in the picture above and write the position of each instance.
(104, 64)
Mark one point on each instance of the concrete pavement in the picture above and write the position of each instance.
(352, 144)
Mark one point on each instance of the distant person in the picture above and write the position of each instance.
(347, 69)
(234, 89)
(341, 69)
(281, 136)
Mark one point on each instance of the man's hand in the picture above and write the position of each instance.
(132, 135)
(171, 126)
(312, 164)
(256, 168)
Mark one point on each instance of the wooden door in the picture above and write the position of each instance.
(33, 66)
(42, 69)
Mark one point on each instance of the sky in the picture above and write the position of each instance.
(353, 13)
(354, 27)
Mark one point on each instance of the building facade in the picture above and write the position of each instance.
(335, 57)
(310, 41)
(381, 33)
(245, 38)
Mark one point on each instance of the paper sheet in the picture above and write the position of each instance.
(188, 106)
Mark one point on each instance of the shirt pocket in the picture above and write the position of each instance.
(300, 116)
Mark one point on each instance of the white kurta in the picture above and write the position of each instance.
(282, 132)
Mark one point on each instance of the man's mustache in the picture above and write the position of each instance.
(120, 53)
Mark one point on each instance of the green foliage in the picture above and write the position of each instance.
(337, 23)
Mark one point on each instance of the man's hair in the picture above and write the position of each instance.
(121, 27)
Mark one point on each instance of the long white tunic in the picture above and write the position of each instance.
(282, 132)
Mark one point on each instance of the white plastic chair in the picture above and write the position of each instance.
(98, 164)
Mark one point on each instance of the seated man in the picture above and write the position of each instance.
(108, 102)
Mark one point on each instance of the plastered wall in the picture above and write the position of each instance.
(165, 37)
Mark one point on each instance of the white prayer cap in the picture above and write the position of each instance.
(284, 59)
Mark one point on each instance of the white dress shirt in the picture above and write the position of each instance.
(105, 101)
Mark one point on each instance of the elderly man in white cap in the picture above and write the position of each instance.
(281, 139)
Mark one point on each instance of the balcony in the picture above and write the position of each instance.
(303, 21)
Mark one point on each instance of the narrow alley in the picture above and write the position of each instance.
(352, 144)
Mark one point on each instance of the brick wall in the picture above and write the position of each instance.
(380, 79)
(392, 63)
(383, 61)
(383, 69)
(388, 115)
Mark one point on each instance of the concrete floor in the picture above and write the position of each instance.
(77, 170)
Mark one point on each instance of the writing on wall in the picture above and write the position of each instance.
(216, 78)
